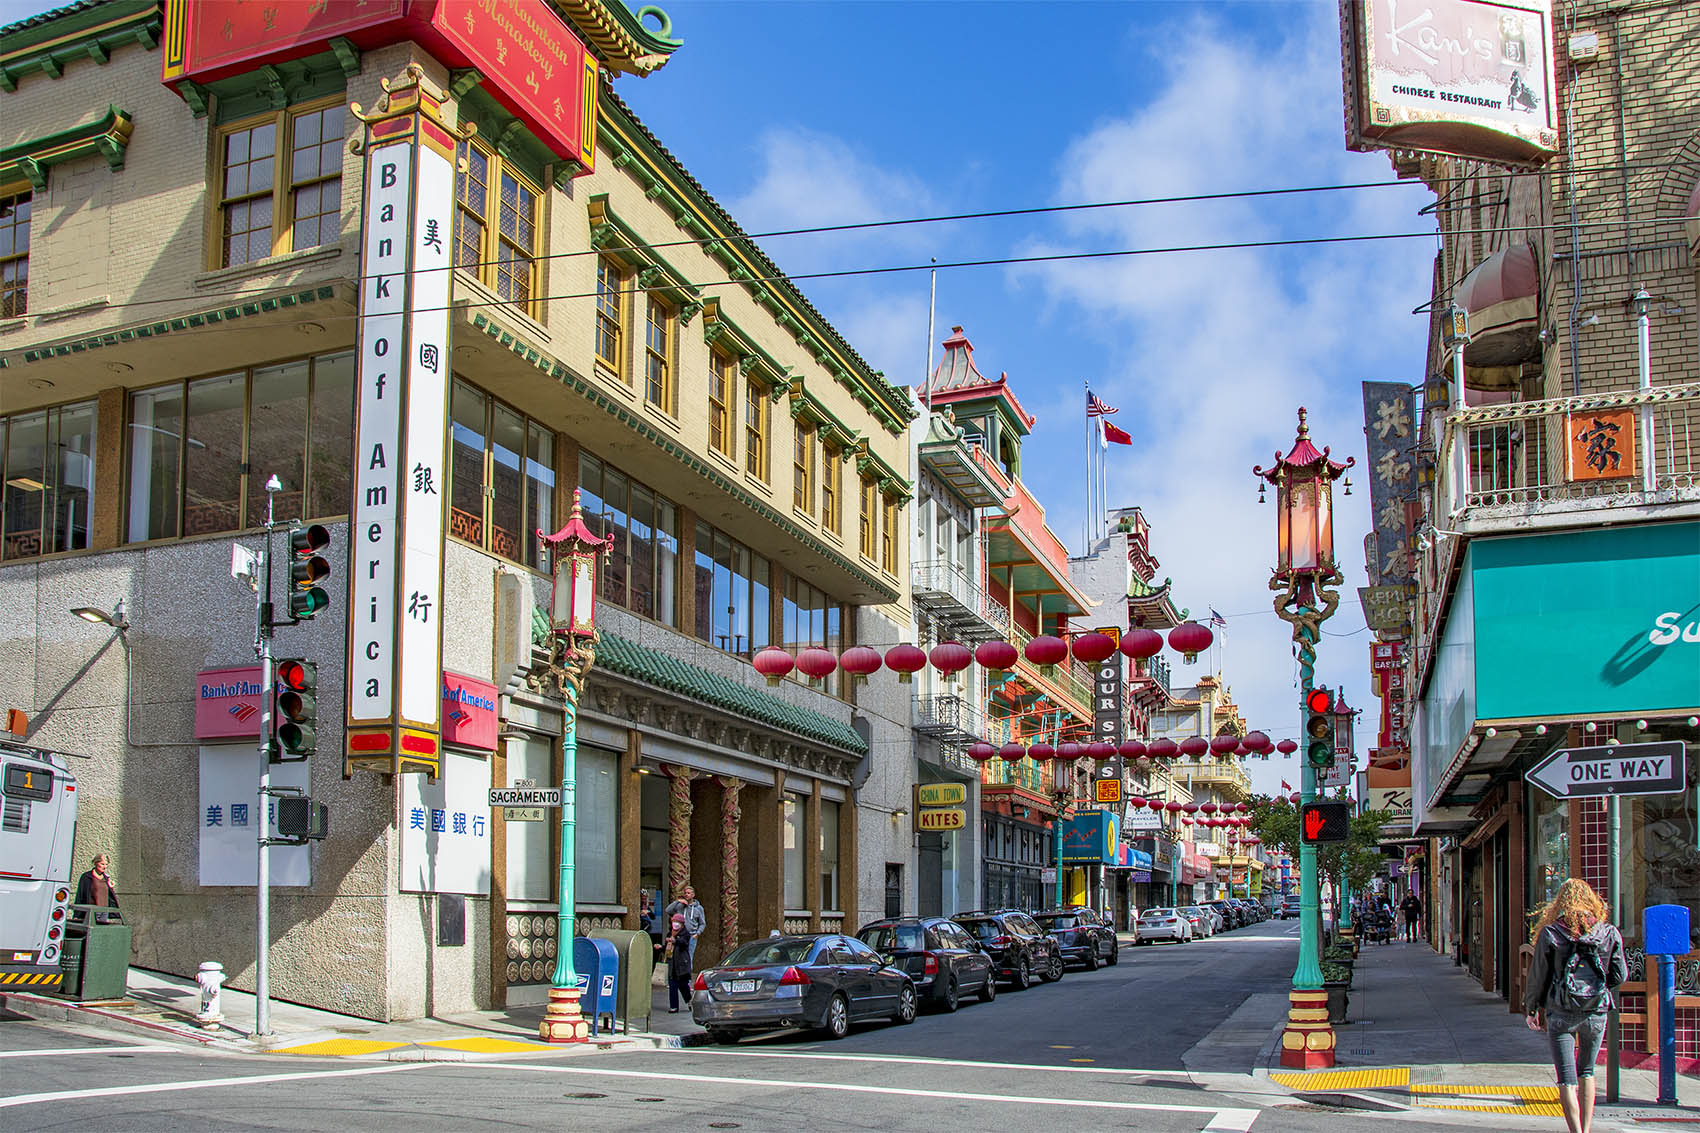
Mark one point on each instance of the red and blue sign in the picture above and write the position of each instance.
(469, 712)
(227, 703)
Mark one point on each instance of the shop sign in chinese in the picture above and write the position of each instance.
(1600, 446)
(228, 820)
(1390, 426)
(445, 828)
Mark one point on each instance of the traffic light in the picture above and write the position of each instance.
(302, 818)
(1325, 822)
(307, 568)
(1319, 728)
(294, 710)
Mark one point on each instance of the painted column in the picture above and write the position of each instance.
(731, 813)
(678, 829)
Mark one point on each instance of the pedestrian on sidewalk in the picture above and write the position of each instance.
(1412, 907)
(691, 909)
(1578, 961)
(678, 964)
(97, 887)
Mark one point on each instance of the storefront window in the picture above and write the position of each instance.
(1549, 848)
(829, 855)
(641, 569)
(501, 476)
(596, 837)
(732, 593)
(793, 843)
(48, 473)
(531, 870)
(1659, 857)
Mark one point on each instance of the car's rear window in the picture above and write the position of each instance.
(894, 938)
(763, 952)
(1058, 920)
(985, 930)
(1159, 912)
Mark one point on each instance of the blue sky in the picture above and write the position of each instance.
(797, 114)
(811, 113)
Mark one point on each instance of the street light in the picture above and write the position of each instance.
(573, 637)
(1304, 571)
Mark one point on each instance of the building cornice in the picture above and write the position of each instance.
(619, 36)
(108, 135)
(44, 44)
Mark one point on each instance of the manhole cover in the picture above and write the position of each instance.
(585, 1095)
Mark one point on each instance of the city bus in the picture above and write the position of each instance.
(38, 821)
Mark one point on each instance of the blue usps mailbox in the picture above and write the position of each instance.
(1665, 929)
(598, 966)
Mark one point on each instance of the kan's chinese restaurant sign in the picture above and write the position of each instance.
(531, 61)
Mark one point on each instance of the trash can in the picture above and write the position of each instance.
(598, 968)
(637, 970)
(96, 957)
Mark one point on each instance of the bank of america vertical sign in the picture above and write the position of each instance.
(396, 541)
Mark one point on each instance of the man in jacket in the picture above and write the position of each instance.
(696, 921)
(1412, 907)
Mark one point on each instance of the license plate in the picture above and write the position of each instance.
(742, 985)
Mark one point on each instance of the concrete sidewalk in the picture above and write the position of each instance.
(1421, 1033)
(162, 1007)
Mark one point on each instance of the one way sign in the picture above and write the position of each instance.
(1621, 769)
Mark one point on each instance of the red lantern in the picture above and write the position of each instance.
(1093, 647)
(1208, 808)
(1190, 808)
(1172, 807)
(860, 662)
(1189, 639)
(1286, 747)
(981, 751)
(1241, 749)
(1295, 798)
(905, 660)
(1141, 643)
(1069, 751)
(1101, 750)
(816, 664)
(1012, 753)
(1042, 752)
(1136, 802)
(1222, 745)
(1188, 819)
(1131, 749)
(1194, 746)
(950, 658)
(1164, 748)
(1258, 742)
(774, 664)
(1047, 651)
(996, 655)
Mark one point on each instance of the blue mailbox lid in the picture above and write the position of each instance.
(1666, 930)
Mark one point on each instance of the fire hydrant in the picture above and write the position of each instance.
(211, 980)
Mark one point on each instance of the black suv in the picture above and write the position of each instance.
(1019, 948)
(1084, 936)
(941, 957)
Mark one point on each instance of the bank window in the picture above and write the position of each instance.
(829, 894)
(610, 315)
(281, 184)
(658, 355)
(596, 839)
(501, 476)
(641, 569)
(47, 461)
(732, 591)
(201, 451)
(870, 517)
(794, 817)
(503, 255)
(721, 371)
(755, 430)
(14, 255)
(888, 537)
(811, 618)
(830, 486)
(803, 469)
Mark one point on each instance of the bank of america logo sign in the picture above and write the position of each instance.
(243, 712)
(459, 715)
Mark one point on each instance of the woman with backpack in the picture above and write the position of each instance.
(1578, 961)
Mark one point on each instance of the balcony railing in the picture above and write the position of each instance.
(1571, 453)
(963, 609)
(950, 718)
(1218, 770)
(1073, 678)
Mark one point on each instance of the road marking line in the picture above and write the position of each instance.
(1237, 1119)
(915, 1061)
(88, 1050)
(204, 1084)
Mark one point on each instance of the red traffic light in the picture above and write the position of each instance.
(1320, 700)
(293, 675)
(1324, 822)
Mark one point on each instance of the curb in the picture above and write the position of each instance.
(41, 1007)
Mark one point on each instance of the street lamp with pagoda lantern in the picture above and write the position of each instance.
(573, 637)
(1304, 574)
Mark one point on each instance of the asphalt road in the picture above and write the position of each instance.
(1105, 1050)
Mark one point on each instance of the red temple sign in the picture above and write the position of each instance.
(532, 62)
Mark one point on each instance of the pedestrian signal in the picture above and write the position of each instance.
(1319, 728)
(1324, 822)
(294, 710)
(307, 569)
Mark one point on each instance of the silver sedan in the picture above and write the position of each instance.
(826, 981)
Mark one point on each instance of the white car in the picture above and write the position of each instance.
(1163, 924)
(1203, 923)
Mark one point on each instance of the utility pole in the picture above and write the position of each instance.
(262, 824)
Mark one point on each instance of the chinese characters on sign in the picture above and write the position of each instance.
(1600, 446)
(1390, 428)
(445, 828)
(228, 834)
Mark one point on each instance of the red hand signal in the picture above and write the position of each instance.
(1314, 821)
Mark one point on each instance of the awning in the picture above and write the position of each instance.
(1501, 296)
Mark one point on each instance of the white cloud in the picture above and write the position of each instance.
(1209, 354)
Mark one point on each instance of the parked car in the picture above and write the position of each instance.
(1231, 916)
(1289, 906)
(1203, 923)
(1164, 924)
(827, 981)
(943, 961)
(1084, 936)
(1018, 947)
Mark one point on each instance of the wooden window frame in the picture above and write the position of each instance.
(756, 432)
(283, 185)
(803, 469)
(888, 534)
(831, 487)
(493, 244)
(722, 402)
(23, 197)
(614, 322)
(658, 393)
(869, 542)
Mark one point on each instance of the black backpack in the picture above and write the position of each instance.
(1579, 985)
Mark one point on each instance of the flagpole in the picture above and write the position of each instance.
(1086, 548)
(932, 305)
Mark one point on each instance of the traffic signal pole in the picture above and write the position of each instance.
(262, 823)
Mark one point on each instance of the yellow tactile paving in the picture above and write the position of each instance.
(1372, 1079)
(1467, 1089)
(338, 1048)
(1533, 1109)
(480, 1044)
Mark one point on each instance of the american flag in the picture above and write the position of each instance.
(1096, 408)
(1217, 619)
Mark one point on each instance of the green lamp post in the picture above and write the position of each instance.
(577, 554)
(1304, 572)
